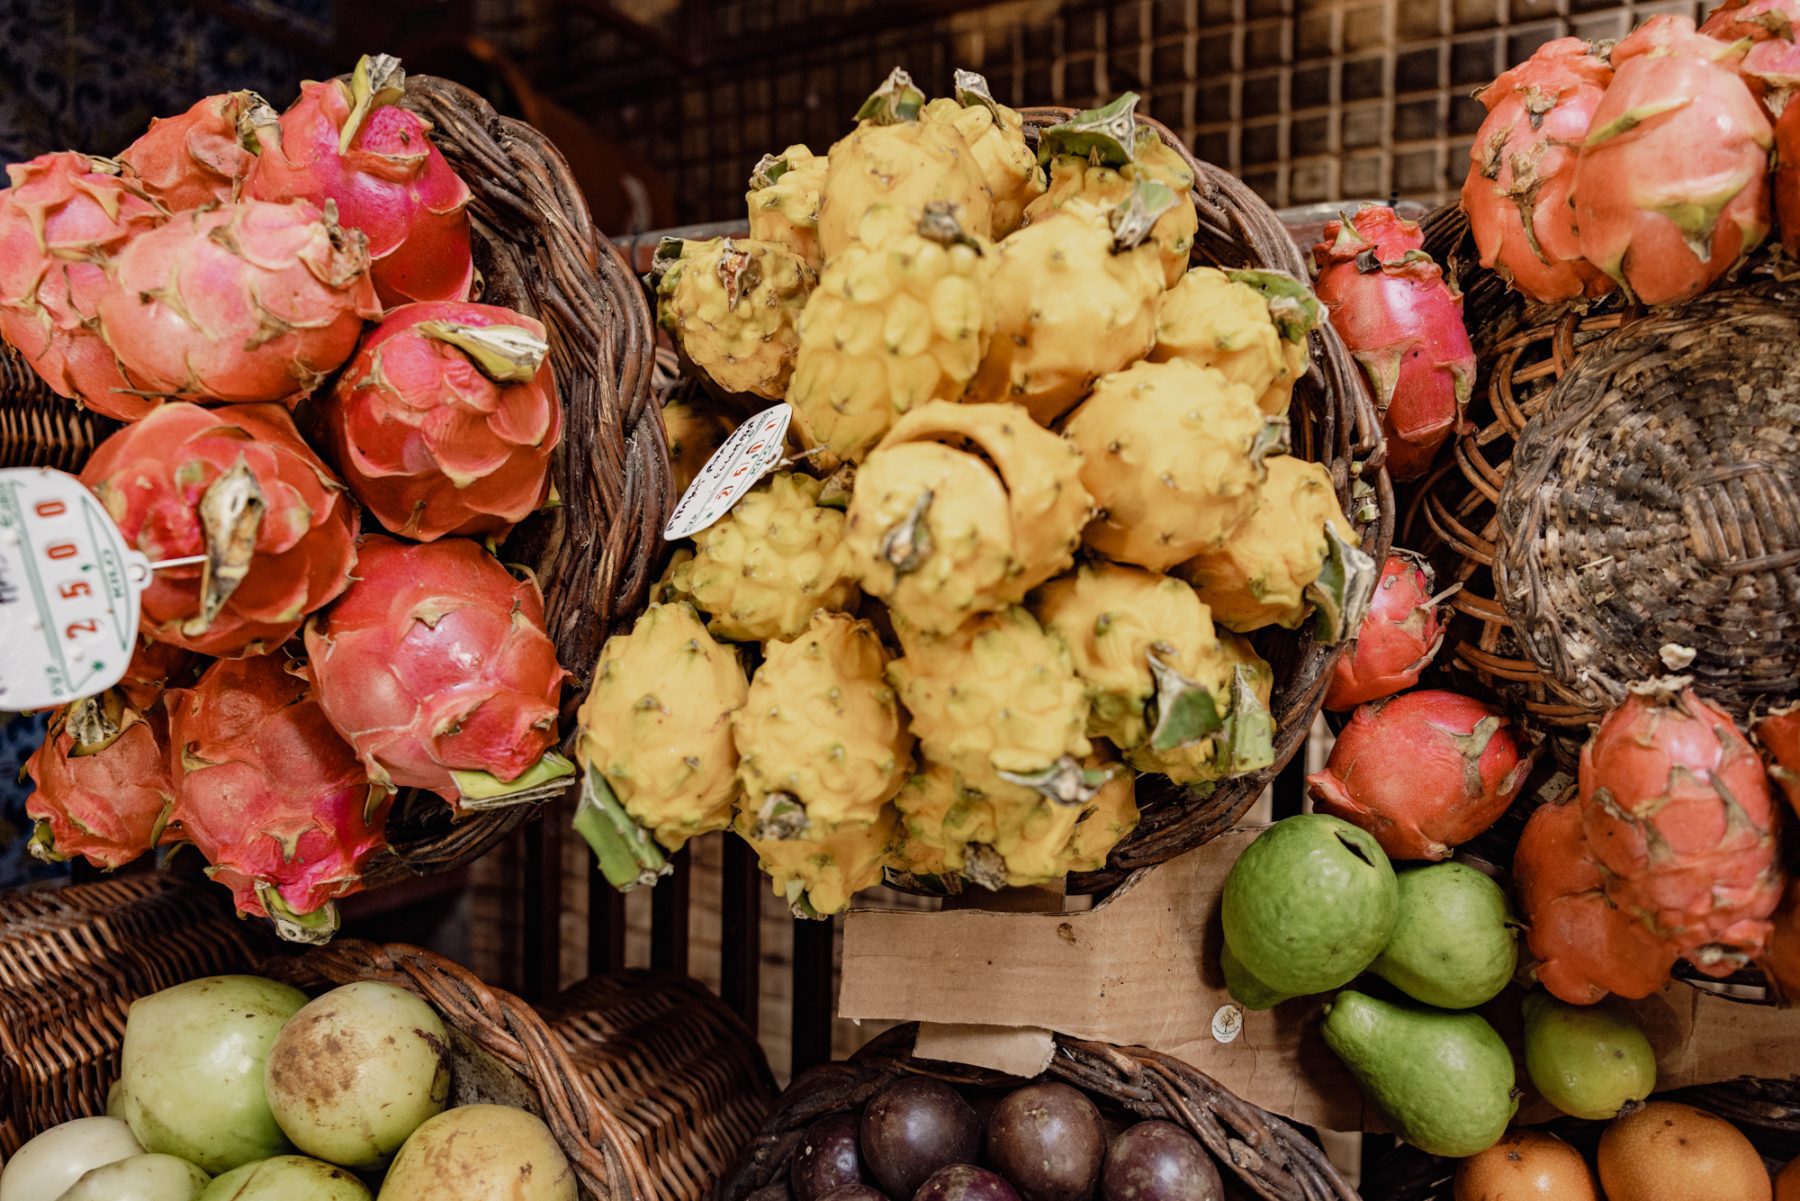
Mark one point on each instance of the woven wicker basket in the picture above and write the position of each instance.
(1334, 423)
(1271, 1158)
(539, 253)
(1629, 485)
(649, 1084)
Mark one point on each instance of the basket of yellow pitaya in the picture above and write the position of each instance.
(326, 366)
(1081, 502)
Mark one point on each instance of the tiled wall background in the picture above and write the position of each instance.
(1308, 100)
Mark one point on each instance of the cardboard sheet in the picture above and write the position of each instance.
(1141, 968)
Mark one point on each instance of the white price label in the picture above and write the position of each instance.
(69, 591)
(754, 449)
(1227, 1023)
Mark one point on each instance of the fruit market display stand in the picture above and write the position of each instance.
(649, 1084)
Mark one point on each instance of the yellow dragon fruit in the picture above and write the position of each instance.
(1099, 155)
(963, 509)
(1044, 842)
(1173, 456)
(655, 743)
(1246, 740)
(998, 702)
(996, 137)
(941, 824)
(898, 319)
(1250, 326)
(760, 571)
(894, 158)
(734, 306)
(1074, 296)
(784, 202)
(820, 739)
(695, 431)
(1296, 554)
(818, 875)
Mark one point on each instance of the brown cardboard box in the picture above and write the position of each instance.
(1142, 968)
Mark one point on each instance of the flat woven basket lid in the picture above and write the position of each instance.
(1653, 508)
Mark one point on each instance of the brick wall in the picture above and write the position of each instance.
(1308, 100)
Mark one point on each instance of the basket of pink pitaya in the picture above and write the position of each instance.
(1612, 507)
(365, 379)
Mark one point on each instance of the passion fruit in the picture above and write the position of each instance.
(1526, 1165)
(1671, 1152)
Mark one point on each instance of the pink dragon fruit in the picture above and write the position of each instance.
(279, 805)
(201, 156)
(1402, 319)
(103, 790)
(351, 142)
(1585, 946)
(436, 667)
(249, 302)
(1423, 771)
(1771, 64)
(1399, 636)
(1522, 168)
(1677, 812)
(1670, 189)
(238, 486)
(62, 220)
(445, 421)
(1778, 733)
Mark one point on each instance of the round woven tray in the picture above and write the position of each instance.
(1699, 544)
(1334, 422)
(649, 1084)
(538, 252)
(1271, 1158)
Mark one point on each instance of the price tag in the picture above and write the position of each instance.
(754, 449)
(1227, 1023)
(69, 591)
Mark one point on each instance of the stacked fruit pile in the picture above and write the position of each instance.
(1037, 499)
(1653, 167)
(918, 1139)
(210, 286)
(225, 1078)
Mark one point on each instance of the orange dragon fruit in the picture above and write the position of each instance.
(436, 667)
(445, 421)
(202, 156)
(1522, 168)
(102, 782)
(1423, 771)
(1585, 946)
(350, 141)
(1677, 812)
(1778, 733)
(1781, 958)
(279, 805)
(1670, 191)
(1399, 636)
(1402, 319)
(247, 302)
(62, 220)
(238, 486)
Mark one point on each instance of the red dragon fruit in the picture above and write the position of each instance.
(248, 302)
(1402, 319)
(351, 142)
(1400, 634)
(102, 782)
(1585, 946)
(279, 805)
(1423, 771)
(436, 667)
(238, 486)
(1771, 65)
(1786, 184)
(1670, 191)
(1778, 733)
(154, 668)
(445, 421)
(199, 157)
(1677, 812)
(1522, 168)
(62, 220)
